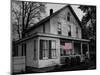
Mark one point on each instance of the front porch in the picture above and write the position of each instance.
(72, 49)
(47, 50)
(57, 50)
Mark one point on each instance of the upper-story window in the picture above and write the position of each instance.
(44, 28)
(76, 31)
(69, 30)
(68, 16)
(59, 28)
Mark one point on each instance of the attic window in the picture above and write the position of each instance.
(68, 16)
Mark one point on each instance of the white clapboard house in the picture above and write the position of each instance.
(51, 41)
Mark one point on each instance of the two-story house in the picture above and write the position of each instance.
(53, 39)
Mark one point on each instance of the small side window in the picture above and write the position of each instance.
(44, 28)
(76, 31)
(68, 16)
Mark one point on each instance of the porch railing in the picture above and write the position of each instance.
(18, 64)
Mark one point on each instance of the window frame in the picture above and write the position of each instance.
(68, 16)
(63, 51)
(77, 45)
(49, 50)
(53, 49)
(59, 28)
(69, 32)
(43, 51)
(15, 52)
(77, 32)
(43, 28)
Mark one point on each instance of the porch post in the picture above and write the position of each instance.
(38, 47)
(88, 50)
(81, 49)
(73, 51)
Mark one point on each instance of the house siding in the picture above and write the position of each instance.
(62, 18)
(40, 29)
(30, 53)
(51, 25)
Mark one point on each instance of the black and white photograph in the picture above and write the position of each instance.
(52, 37)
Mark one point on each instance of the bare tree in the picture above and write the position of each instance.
(25, 14)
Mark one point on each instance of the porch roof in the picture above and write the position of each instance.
(61, 36)
(51, 36)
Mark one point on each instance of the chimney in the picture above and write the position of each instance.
(51, 12)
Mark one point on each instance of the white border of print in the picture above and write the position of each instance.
(5, 37)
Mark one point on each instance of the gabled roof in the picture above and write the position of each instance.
(48, 18)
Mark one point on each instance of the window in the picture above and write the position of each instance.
(76, 31)
(68, 16)
(59, 28)
(44, 28)
(85, 48)
(66, 48)
(15, 50)
(19, 50)
(47, 49)
(53, 49)
(69, 30)
(44, 49)
(77, 47)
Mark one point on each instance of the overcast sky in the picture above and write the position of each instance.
(56, 7)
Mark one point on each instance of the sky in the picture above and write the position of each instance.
(56, 7)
